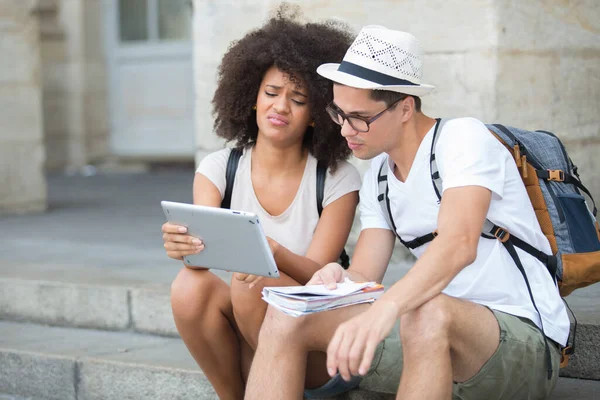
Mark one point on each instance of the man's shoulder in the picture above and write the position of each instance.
(466, 132)
(463, 123)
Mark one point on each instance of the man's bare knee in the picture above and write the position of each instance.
(278, 326)
(428, 323)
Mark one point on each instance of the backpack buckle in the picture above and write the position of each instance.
(556, 175)
(564, 356)
(502, 234)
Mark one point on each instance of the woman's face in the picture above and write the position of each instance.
(282, 109)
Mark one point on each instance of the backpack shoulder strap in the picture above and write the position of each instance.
(232, 165)
(382, 197)
(436, 179)
(321, 175)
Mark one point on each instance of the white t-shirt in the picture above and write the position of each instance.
(295, 227)
(468, 154)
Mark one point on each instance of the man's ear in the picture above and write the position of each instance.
(407, 106)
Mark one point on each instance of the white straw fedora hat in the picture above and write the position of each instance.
(381, 58)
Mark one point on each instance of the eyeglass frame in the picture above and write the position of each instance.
(346, 117)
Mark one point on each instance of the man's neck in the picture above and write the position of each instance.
(410, 138)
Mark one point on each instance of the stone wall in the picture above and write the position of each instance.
(549, 75)
(22, 181)
(75, 83)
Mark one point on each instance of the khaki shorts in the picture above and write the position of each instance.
(517, 370)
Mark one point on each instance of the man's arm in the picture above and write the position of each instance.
(372, 255)
(462, 213)
(369, 263)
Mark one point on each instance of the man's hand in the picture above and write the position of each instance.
(330, 275)
(352, 348)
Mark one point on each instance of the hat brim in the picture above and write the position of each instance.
(330, 71)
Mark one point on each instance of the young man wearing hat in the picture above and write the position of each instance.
(468, 326)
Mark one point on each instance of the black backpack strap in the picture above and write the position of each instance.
(321, 175)
(508, 244)
(436, 179)
(232, 165)
(384, 203)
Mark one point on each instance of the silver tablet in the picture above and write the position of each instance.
(233, 240)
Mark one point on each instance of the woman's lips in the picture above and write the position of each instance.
(354, 146)
(277, 120)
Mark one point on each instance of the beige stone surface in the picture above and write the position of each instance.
(75, 84)
(22, 181)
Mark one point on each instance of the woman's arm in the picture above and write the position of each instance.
(327, 243)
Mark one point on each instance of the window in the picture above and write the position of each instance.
(154, 20)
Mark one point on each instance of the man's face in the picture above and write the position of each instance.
(382, 132)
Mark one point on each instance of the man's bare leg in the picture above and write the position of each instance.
(444, 340)
(249, 310)
(203, 315)
(279, 367)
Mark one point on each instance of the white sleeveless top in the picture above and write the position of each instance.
(294, 228)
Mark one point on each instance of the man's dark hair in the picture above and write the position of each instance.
(390, 97)
(296, 49)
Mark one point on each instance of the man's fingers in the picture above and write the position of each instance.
(343, 354)
(355, 353)
(368, 354)
(316, 279)
(328, 278)
(332, 351)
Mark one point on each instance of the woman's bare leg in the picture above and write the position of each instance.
(203, 314)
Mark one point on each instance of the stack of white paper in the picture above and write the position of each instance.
(302, 300)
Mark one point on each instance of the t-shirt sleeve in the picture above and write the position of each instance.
(214, 166)
(468, 154)
(371, 214)
(344, 180)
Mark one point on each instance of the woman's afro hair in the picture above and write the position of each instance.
(296, 49)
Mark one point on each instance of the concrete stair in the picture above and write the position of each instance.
(42, 362)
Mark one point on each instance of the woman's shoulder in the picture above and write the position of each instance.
(215, 160)
(344, 170)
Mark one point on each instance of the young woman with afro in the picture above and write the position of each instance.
(271, 102)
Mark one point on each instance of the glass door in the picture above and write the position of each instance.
(151, 78)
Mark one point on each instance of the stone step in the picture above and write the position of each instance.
(41, 362)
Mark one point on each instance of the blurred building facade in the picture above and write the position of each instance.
(92, 81)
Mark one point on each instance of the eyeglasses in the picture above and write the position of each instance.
(359, 124)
